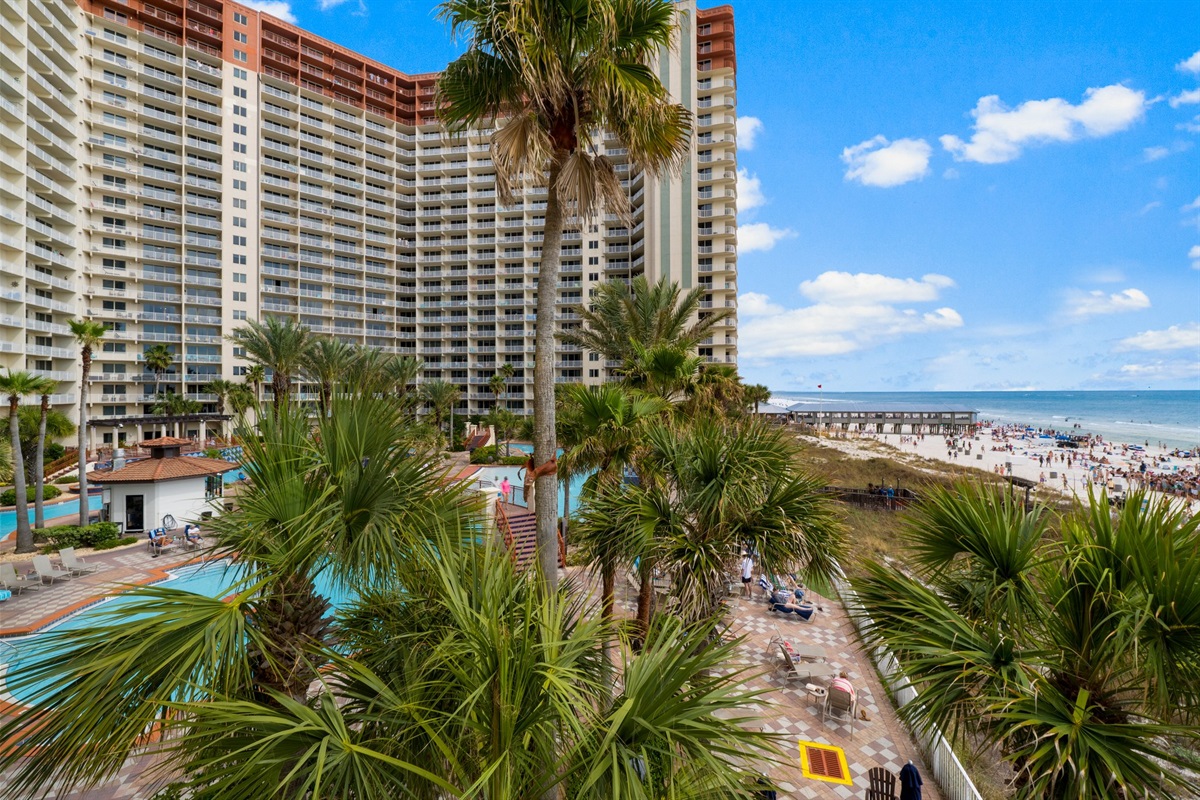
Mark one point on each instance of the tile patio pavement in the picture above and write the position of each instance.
(785, 709)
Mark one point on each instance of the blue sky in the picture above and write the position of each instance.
(945, 196)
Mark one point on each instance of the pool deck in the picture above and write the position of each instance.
(785, 708)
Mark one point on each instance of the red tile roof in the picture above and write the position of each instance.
(166, 441)
(163, 469)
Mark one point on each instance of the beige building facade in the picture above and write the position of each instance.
(175, 167)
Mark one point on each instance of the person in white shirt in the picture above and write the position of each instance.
(747, 574)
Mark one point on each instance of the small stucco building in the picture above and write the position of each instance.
(139, 495)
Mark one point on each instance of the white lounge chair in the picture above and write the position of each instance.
(804, 671)
(46, 571)
(73, 563)
(840, 702)
(13, 582)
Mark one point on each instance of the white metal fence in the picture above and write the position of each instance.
(948, 771)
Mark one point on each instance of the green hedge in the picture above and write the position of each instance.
(117, 543)
(99, 535)
(9, 496)
(66, 479)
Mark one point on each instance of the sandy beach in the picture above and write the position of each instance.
(1038, 456)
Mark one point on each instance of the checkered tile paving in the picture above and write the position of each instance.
(786, 708)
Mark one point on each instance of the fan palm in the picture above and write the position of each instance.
(275, 344)
(38, 424)
(554, 76)
(223, 389)
(241, 398)
(622, 314)
(464, 677)
(602, 438)
(756, 393)
(442, 397)
(255, 375)
(158, 359)
(17, 385)
(1074, 656)
(717, 389)
(88, 335)
(707, 491)
(663, 370)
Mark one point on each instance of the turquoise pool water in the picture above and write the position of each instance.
(496, 474)
(66, 508)
(212, 580)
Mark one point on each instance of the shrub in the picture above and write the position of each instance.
(483, 455)
(213, 452)
(73, 478)
(54, 451)
(9, 496)
(98, 535)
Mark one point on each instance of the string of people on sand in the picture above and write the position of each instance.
(1072, 461)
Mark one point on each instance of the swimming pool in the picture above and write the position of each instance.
(214, 579)
(499, 473)
(54, 511)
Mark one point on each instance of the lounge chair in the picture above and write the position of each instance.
(800, 652)
(805, 671)
(192, 539)
(13, 582)
(47, 571)
(805, 612)
(159, 542)
(840, 702)
(73, 563)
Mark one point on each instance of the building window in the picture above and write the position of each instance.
(239, 241)
(239, 91)
(239, 277)
(239, 297)
(240, 18)
(239, 147)
(239, 166)
(239, 222)
(239, 315)
(240, 55)
(238, 36)
(239, 111)
(593, 373)
(239, 185)
(240, 130)
(239, 260)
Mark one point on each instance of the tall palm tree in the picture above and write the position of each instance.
(325, 363)
(664, 370)
(175, 405)
(222, 388)
(452, 675)
(277, 344)
(402, 372)
(38, 424)
(554, 77)
(158, 358)
(442, 397)
(241, 398)
(603, 436)
(756, 393)
(17, 385)
(717, 389)
(504, 422)
(708, 490)
(498, 383)
(88, 335)
(621, 315)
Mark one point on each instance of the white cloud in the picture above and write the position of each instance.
(1002, 133)
(1176, 337)
(1186, 369)
(1087, 304)
(1194, 255)
(280, 9)
(876, 162)
(1190, 64)
(325, 5)
(867, 288)
(1156, 153)
(837, 325)
(1188, 98)
(1193, 126)
(1146, 209)
(760, 236)
(1192, 206)
(749, 191)
(748, 129)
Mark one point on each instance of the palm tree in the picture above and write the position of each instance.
(17, 385)
(504, 422)
(402, 372)
(241, 398)
(88, 335)
(442, 397)
(498, 383)
(36, 425)
(756, 393)
(451, 675)
(663, 370)
(325, 363)
(277, 344)
(708, 490)
(255, 375)
(1075, 657)
(175, 405)
(158, 358)
(621, 315)
(717, 389)
(553, 78)
(602, 437)
(222, 388)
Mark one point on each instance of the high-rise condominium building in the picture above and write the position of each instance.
(175, 167)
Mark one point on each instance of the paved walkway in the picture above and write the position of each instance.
(785, 708)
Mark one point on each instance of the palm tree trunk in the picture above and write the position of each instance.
(279, 387)
(39, 467)
(645, 597)
(566, 524)
(82, 442)
(545, 441)
(24, 532)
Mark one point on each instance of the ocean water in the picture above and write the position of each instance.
(1171, 417)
